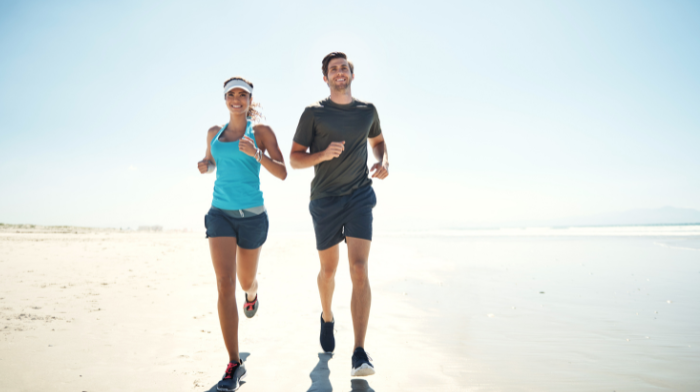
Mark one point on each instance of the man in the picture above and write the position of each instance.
(332, 137)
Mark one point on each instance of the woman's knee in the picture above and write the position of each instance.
(247, 283)
(226, 286)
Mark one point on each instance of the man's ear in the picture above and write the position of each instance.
(325, 79)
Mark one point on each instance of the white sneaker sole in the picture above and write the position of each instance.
(362, 371)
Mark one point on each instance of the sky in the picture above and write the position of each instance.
(491, 111)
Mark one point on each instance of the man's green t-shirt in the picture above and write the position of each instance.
(325, 122)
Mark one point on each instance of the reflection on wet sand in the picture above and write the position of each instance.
(360, 385)
(320, 378)
(320, 375)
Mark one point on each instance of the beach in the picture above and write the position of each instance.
(590, 309)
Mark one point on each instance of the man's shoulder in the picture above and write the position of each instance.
(317, 105)
(363, 104)
(325, 101)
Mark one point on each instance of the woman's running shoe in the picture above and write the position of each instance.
(249, 308)
(327, 338)
(360, 364)
(232, 378)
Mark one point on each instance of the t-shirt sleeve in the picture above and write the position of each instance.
(376, 129)
(305, 129)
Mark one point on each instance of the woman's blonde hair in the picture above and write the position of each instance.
(255, 110)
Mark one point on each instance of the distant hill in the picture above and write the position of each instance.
(658, 216)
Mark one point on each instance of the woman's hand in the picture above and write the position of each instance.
(203, 165)
(247, 146)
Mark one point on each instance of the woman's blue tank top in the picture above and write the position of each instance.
(237, 185)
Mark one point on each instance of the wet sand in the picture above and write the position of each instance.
(547, 310)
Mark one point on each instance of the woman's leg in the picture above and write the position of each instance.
(223, 256)
(247, 269)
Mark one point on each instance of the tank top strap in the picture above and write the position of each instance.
(219, 134)
(249, 132)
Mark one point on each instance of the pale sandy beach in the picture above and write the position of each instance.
(613, 309)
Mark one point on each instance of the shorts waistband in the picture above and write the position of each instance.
(244, 213)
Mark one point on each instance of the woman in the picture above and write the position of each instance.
(237, 221)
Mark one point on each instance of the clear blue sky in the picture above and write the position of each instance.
(492, 111)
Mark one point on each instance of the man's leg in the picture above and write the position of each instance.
(326, 279)
(358, 255)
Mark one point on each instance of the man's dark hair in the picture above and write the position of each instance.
(335, 55)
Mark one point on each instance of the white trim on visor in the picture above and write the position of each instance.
(236, 83)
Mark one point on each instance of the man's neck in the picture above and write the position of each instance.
(342, 97)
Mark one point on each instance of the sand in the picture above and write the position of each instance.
(492, 310)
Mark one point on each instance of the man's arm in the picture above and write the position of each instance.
(300, 158)
(380, 153)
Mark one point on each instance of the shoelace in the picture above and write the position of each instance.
(250, 305)
(230, 369)
(365, 356)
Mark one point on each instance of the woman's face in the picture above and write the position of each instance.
(238, 101)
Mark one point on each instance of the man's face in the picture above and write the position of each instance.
(339, 75)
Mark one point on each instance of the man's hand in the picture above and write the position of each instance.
(203, 165)
(247, 146)
(382, 170)
(333, 150)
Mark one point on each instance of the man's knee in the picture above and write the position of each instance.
(327, 272)
(358, 271)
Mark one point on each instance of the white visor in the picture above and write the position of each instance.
(236, 83)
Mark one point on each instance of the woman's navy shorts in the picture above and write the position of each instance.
(250, 232)
(337, 217)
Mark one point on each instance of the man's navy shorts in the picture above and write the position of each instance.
(337, 217)
(250, 232)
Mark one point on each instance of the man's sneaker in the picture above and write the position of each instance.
(360, 364)
(232, 378)
(327, 338)
(249, 308)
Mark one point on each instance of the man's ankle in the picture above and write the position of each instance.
(326, 318)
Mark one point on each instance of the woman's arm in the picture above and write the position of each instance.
(267, 141)
(208, 164)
